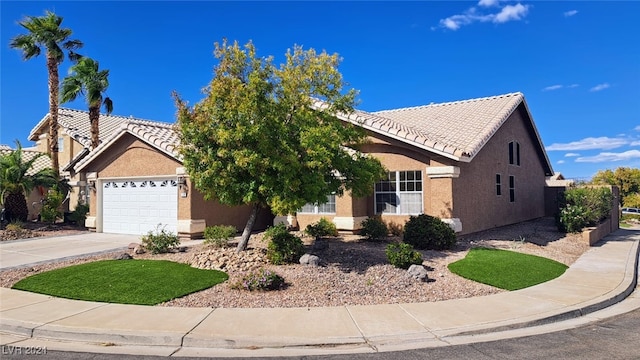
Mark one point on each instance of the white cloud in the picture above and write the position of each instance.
(571, 154)
(637, 128)
(471, 15)
(560, 161)
(511, 12)
(607, 156)
(600, 87)
(590, 143)
(488, 3)
(635, 143)
(573, 86)
(552, 87)
(570, 13)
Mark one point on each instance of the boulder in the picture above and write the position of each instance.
(417, 272)
(123, 256)
(133, 245)
(138, 249)
(308, 259)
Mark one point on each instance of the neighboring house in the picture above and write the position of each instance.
(34, 199)
(476, 164)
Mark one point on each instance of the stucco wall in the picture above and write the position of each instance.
(475, 200)
(215, 213)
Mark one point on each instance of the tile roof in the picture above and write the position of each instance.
(162, 136)
(76, 124)
(41, 162)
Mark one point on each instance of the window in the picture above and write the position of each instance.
(514, 153)
(399, 193)
(512, 188)
(498, 184)
(327, 208)
(60, 144)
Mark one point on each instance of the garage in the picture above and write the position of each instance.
(137, 206)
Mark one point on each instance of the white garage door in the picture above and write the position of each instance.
(138, 206)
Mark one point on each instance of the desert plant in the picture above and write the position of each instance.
(583, 206)
(262, 280)
(322, 228)
(428, 232)
(79, 214)
(395, 229)
(160, 240)
(219, 235)
(283, 247)
(403, 255)
(373, 229)
(51, 206)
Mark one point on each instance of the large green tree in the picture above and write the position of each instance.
(17, 179)
(45, 33)
(86, 78)
(257, 138)
(627, 179)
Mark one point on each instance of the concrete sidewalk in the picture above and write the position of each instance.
(603, 276)
(40, 250)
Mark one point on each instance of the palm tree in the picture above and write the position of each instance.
(44, 32)
(87, 79)
(17, 180)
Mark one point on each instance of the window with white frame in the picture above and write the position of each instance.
(399, 193)
(328, 207)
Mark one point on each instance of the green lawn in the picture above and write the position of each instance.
(507, 270)
(142, 282)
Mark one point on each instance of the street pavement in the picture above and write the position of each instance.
(605, 275)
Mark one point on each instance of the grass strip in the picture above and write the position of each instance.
(507, 270)
(140, 282)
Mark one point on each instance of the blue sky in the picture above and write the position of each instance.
(577, 63)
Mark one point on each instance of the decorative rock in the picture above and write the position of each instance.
(123, 256)
(308, 259)
(133, 246)
(417, 272)
(138, 249)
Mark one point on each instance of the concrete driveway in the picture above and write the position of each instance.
(38, 250)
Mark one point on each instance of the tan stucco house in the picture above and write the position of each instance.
(476, 164)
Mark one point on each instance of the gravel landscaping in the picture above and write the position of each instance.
(353, 271)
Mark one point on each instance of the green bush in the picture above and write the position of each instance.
(403, 256)
(219, 235)
(79, 214)
(373, 229)
(160, 240)
(283, 246)
(50, 211)
(428, 232)
(262, 280)
(582, 207)
(395, 229)
(632, 200)
(322, 228)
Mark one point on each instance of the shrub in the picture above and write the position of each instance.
(219, 235)
(395, 229)
(283, 246)
(322, 228)
(632, 200)
(262, 280)
(403, 256)
(582, 207)
(51, 206)
(374, 228)
(79, 214)
(428, 232)
(15, 226)
(160, 241)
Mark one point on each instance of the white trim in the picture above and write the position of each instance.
(90, 222)
(454, 224)
(435, 172)
(191, 226)
(349, 222)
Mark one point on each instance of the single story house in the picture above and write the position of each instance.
(476, 164)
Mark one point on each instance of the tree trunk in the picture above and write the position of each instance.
(16, 207)
(94, 116)
(52, 67)
(244, 241)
